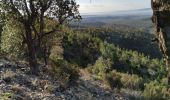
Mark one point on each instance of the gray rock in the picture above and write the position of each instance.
(2, 82)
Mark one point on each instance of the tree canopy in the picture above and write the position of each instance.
(32, 16)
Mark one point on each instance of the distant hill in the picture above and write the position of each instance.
(144, 11)
(127, 19)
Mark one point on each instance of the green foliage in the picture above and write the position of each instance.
(80, 48)
(117, 67)
(7, 96)
(135, 63)
(124, 80)
(100, 67)
(133, 69)
(84, 48)
(108, 51)
(50, 41)
(133, 81)
(64, 72)
(11, 39)
(33, 13)
(156, 91)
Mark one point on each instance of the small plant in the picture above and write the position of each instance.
(17, 88)
(156, 91)
(48, 87)
(8, 75)
(101, 67)
(7, 96)
(132, 81)
(64, 72)
(112, 80)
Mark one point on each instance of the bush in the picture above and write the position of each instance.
(156, 91)
(7, 96)
(108, 51)
(12, 40)
(112, 80)
(132, 81)
(128, 81)
(101, 67)
(64, 72)
(121, 80)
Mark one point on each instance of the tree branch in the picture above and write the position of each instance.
(26, 8)
(48, 33)
(14, 9)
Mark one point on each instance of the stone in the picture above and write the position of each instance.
(1, 64)
(2, 82)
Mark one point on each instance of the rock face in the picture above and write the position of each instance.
(161, 20)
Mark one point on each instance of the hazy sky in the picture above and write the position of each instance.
(96, 6)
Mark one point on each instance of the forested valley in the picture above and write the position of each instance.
(49, 51)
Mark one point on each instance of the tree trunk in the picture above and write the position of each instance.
(31, 50)
(32, 58)
(161, 20)
(45, 55)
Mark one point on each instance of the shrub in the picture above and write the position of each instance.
(64, 72)
(108, 51)
(118, 80)
(129, 81)
(132, 81)
(7, 96)
(156, 91)
(12, 40)
(101, 67)
(112, 80)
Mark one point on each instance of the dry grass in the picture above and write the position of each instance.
(8, 74)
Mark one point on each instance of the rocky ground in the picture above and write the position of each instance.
(17, 84)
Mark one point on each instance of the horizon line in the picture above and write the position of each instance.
(116, 11)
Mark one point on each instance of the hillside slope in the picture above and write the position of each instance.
(17, 84)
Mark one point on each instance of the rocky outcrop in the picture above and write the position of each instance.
(161, 20)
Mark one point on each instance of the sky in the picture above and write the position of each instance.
(98, 6)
